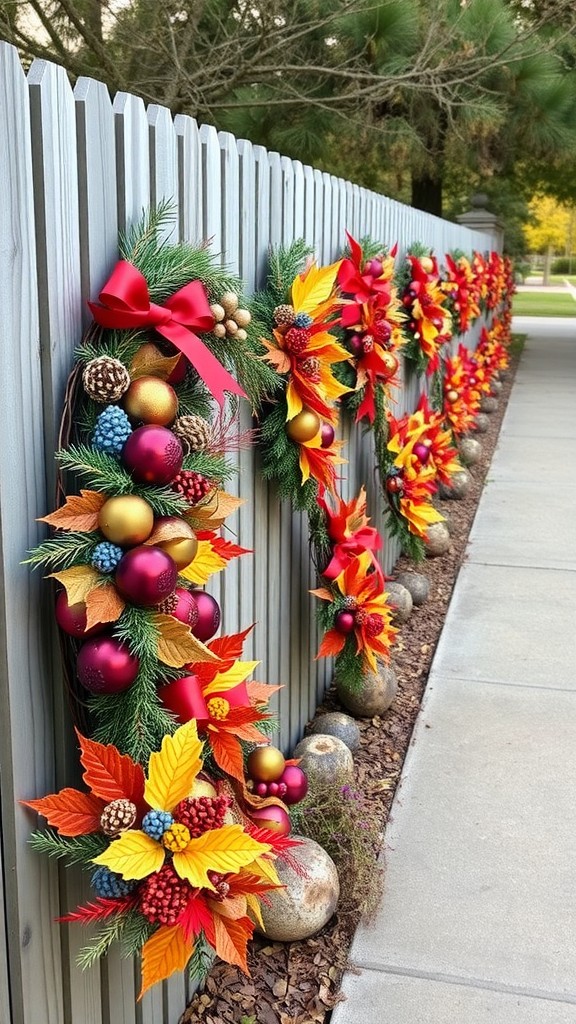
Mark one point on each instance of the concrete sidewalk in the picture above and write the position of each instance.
(478, 922)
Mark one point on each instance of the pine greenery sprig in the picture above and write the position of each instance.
(213, 467)
(104, 473)
(137, 930)
(110, 932)
(201, 961)
(63, 551)
(349, 667)
(280, 461)
(76, 849)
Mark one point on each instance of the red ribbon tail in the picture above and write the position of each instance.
(215, 376)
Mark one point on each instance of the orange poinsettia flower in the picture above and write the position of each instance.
(303, 347)
(348, 528)
(491, 354)
(319, 461)
(465, 381)
(496, 278)
(366, 601)
(429, 321)
(373, 315)
(423, 438)
(412, 480)
(480, 271)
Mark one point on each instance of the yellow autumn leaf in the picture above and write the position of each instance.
(314, 287)
(78, 581)
(164, 953)
(255, 908)
(293, 401)
(134, 855)
(265, 867)
(176, 644)
(206, 562)
(223, 850)
(226, 680)
(173, 768)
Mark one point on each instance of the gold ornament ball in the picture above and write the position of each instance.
(304, 426)
(427, 264)
(126, 520)
(182, 549)
(452, 396)
(265, 764)
(390, 362)
(151, 400)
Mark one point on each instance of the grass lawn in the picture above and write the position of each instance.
(561, 278)
(541, 304)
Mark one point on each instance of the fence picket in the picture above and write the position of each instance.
(163, 166)
(189, 178)
(132, 158)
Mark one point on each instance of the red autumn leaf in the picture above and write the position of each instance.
(79, 513)
(223, 547)
(196, 918)
(246, 882)
(232, 939)
(71, 812)
(332, 643)
(228, 648)
(260, 693)
(240, 721)
(277, 841)
(100, 909)
(109, 774)
(227, 754)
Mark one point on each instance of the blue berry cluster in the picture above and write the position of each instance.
(109, 885)
(302, 320)
(112, 430)
(155, 823)
(106, 556)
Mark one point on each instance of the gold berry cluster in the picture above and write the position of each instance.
(231, 320)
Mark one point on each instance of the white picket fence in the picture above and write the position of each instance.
(75, 167)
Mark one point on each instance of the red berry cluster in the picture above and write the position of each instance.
(310, 367)
(374, 624)
(296, 339)
(192, 486)
(200, 814)
(163, 896)
(382, 331)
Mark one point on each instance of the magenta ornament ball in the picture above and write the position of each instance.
(185, 608)
(344, 622)
(153, 455)
(208, 615)
(355, 344)
(422, 451)
(106, 665)
(326, 434)
(274, 818)
(72, 617)
(296, 783)
(146, 575)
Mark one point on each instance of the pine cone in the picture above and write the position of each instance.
(310, 367)
(105, 379)
(194, 431)
(118, 816)
(284, 315)
(163, 896)
(200, 814)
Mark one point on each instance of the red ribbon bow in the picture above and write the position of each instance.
(366, 538)
(125, 303)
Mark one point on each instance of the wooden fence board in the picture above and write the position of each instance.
(189, 177)
(164, 166)
(132, 158)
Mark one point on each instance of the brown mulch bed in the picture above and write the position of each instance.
(298, 982)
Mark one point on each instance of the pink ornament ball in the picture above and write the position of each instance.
(72, 617)
(375, 268)
(208, 615)
(153, 455)
(355, 344)
(185, 609)
(344, 622)
(422, 452)
(274, 818)
(146, 575)
(262, 789)
(273, 789)
(295, 782)
(106, 665)
(326, 434)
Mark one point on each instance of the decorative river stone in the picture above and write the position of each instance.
(309, 898)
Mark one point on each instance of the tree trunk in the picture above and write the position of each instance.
(427, 194)
(547, 265)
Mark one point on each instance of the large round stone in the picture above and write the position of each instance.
(481, 423)
(324, 758)
(470, 451)
(374, 696)
(336, 723)
(400, 600)
(416, 584)
(496, 386)
(437, 540)
(457, 488)
(488, 404)
(309, 897)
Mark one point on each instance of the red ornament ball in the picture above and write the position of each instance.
(375, 267)
(355, 345)
(185, 609)
(72, 617)
(146, 575)
(273, 818)
(106, 665)
(153, 454)
(422, 451)
(296, 783)
(344, 622)
(208, 621)
(326, 434)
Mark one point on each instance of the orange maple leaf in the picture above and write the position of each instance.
(165, 952)
(80, 512)
(232, 939)
(72, 813)
(109, 774)
(228, 754)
